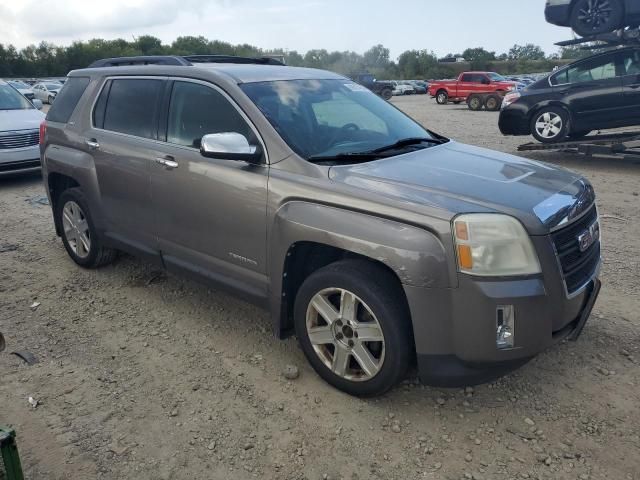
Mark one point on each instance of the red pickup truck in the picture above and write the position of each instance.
(468, 83)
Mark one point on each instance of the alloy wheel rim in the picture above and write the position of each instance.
(76, 229)
(595, 14)
(345, 334)
(441, 97)
(549, 125)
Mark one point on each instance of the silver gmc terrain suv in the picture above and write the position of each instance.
(378, 243)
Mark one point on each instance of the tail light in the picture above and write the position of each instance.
(43, 131)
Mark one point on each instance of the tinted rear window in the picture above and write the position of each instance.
(67, 99)
(131, 107)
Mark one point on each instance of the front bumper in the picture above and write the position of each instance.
(455, 328)
(514, 120)
(20, 160)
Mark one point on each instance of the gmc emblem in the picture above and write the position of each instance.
(589, 236)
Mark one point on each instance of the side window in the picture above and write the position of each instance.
(67, 99)
(631, 62)
(197, 110)
(600, 69)
(466, 78)
(131, 107)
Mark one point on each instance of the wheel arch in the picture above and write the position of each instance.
(306, 237)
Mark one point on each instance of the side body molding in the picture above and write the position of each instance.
(416, 255)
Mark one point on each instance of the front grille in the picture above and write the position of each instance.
(19, 139)
(577, 266)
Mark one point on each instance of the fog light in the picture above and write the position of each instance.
(505, 327)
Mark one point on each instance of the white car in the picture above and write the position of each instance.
(19, 132)
(400, 88)
(46, 91)
(23, 88)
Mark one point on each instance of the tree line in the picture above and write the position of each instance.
(49, 60)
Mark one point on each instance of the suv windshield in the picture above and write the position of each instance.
(11, 99)
(328, 118)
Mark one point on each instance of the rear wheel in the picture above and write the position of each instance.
(550, 125)
(474, 102)
(79, 235)
(353, 326)
(442, 97)
(493, 103)
(50, 100)
(387, 93)
(593, 17)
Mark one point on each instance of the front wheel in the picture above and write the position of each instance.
(550, 125)
(442, 97)
(50, 99)
(387, 93)
(593, 17)
(79, 234)
(353, 326)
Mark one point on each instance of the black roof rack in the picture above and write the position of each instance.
(627, 37)
(186, 60)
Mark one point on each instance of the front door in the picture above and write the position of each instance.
(210, 213)
(631, 86)
(593, 91)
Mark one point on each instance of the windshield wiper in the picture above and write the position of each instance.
(406, 142)
(351, 156)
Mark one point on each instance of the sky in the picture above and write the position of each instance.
(442, 26)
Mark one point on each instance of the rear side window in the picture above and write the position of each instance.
(129, 106)
(67, 99)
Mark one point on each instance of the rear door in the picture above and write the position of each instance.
(630, 60)
(123, 141)
(210, 214)
(593, 91)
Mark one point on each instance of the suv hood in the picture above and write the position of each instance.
(28, 119)
(463, 179)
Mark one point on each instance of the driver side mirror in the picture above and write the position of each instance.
(230, 146)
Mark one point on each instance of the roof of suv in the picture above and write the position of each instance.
(240, 73)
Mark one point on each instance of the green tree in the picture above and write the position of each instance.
(526, 52)
(479, 57)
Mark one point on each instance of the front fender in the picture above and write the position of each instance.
(416, 255)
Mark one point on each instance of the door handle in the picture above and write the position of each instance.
(167, 162)
(92, 144)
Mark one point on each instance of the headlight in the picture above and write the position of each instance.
(510, 98)
(493, 245)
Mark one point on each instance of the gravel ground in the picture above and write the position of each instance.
(148, 376)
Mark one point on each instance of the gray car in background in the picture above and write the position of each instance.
(378, 243)
(46, 91)
(19, 132)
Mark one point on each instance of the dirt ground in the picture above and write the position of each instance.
(146, 376)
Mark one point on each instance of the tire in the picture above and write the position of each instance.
(387, 93)
(493, 103)
(50, 99)
(79, 235)
(593, 17)
(474, 102)
(550, 125)
(381, 311)
(442, 97)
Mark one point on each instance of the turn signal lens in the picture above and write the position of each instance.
(465, 258)
(43, 131)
